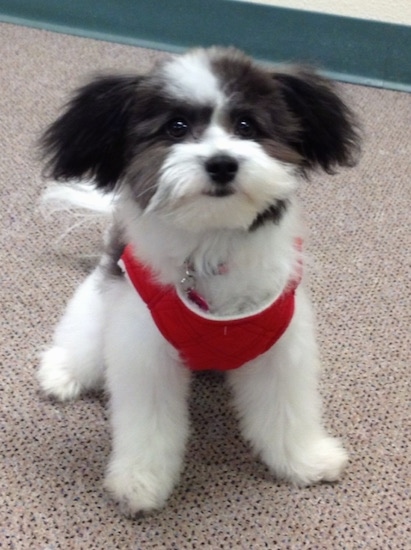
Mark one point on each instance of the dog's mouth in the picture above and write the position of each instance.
(217, 191)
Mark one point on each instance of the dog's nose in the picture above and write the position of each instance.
(221, 168)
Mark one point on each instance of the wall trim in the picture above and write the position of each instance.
(348, 49)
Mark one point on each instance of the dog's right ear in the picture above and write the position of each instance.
(89, 139)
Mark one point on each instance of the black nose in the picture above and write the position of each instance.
(221, 168)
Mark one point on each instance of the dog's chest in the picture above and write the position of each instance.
(231, 290)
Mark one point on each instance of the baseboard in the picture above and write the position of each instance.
(348, 49)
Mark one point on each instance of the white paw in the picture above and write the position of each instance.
(55, 377)
(323, 460)
(137, 489)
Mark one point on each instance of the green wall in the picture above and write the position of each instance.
(353, 50)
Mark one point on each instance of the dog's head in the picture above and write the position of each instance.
(208, 139)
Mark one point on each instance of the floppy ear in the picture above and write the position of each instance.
(89, 138)
(329, 134)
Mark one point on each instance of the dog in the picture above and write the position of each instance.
(203, 260)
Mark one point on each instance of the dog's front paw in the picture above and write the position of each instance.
(137, 490)
(55, 377)
(322, 460)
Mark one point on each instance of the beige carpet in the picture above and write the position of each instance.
(53, 455)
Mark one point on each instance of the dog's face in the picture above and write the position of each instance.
(219, 143)
(207, 140)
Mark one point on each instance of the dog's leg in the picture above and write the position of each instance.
(280, 410)
(74, 363)
(149, 411)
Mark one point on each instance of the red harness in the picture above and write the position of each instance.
(207, 343)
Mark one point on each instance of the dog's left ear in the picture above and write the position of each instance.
(328, 131)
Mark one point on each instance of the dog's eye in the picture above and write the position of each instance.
(177, 128)
(245, 128)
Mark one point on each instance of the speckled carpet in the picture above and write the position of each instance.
(53, 455)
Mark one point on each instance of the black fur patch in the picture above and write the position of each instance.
(329, 134)
(90, 138)
(272, 214)
(112, 252)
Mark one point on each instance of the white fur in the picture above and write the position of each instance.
(189, 77)
(107, 332)
(183, 185)
(148, 389)
(75, 363)
(76, 197)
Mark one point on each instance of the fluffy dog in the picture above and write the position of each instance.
(203, 261)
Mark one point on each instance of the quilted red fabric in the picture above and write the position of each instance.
(204, 343)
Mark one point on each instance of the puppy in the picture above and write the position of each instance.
(203, 262)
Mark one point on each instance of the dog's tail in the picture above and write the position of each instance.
(77, 207)
(79, 199)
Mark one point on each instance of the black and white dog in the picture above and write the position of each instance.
(202, 157)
